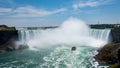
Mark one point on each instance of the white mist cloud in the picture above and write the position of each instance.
(91, 3)
(72, 32)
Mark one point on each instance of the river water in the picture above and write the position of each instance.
(51, 48)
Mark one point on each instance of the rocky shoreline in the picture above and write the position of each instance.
(108, 54)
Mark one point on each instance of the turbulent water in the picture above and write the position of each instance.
(51, 48)
(60, 57)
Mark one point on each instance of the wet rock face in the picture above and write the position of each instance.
(6, 35)
(118, 54)
(115, 35)
(7, 40)
(9, 49)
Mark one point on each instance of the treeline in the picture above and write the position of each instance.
(5, 27)
(96, 26)
(103, 26)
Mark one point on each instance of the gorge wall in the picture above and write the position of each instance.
(115, 32)
(7, 40)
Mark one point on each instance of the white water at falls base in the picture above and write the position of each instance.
(58, 42)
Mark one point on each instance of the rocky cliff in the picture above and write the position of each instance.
(6, 35)
(8, 39)
(115, 32)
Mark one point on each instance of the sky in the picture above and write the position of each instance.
(35, 13)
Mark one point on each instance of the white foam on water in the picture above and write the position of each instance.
(63, 57)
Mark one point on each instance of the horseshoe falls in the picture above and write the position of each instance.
(101, 34)
(51, 48)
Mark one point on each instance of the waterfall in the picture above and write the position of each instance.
(100, 34)
(26, 35)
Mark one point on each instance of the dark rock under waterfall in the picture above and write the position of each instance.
(7, 40)
(115, 35)
(6, 35)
